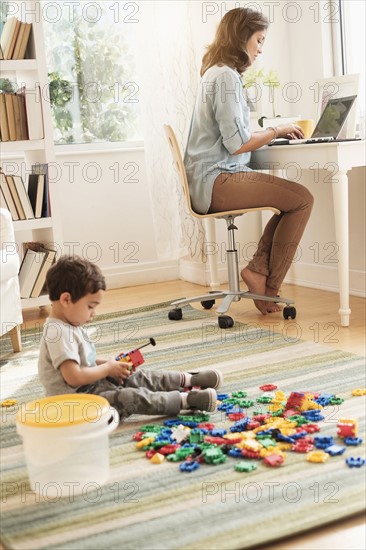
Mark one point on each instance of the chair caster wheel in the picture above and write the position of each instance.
(175, 314)
(289, 312)
(225, 321)
(208, 304)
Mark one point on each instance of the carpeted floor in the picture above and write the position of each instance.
(145, 506)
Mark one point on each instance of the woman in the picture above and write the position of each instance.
(218, 154)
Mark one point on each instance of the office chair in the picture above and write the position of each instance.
(233, 293)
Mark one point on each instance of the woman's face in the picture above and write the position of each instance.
(255, 44)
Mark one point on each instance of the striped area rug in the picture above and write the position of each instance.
(145, 506)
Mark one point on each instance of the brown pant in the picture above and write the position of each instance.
(282, 234)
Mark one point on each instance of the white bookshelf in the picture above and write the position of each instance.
(20, 155)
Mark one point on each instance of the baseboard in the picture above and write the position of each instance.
(301, 274)
(199, 273)
(325, 278)
(308, 275)
(141, 274)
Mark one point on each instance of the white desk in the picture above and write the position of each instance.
(338, 159)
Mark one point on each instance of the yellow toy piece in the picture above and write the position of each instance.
(9, 403)
(272, 450)
(157, 458)
(144, 442)
(317, 456)
(250, 445)
(359, 391)
(280, 396)
(310, 405)
(275, 406)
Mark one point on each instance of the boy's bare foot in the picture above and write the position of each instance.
(256, 283)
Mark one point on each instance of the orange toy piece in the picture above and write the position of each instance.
(347, 427)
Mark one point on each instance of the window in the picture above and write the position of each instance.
(90, 61)
(352, 29)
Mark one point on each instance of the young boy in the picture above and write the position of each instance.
(68, 361)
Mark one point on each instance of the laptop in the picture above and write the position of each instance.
(329, 125)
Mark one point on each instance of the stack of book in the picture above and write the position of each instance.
(37, 260)
(21, 115)
(14, 38)
(26, 202)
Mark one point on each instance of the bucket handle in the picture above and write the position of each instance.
(113, 422)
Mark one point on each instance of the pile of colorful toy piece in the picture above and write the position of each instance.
(283, 424)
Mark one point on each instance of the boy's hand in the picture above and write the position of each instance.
(119, 370)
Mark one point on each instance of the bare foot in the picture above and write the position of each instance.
(256, 283)
(272, 306)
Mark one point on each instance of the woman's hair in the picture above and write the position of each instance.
(230, 44)
(75, 275)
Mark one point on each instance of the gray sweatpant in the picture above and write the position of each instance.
(144, 392)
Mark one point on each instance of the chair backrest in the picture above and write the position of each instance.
(179, 165)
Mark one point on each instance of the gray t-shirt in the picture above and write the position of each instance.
(61, 342)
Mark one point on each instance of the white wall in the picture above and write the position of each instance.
(117, 215)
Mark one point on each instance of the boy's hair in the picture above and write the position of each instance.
(230, 44)
(74, 275)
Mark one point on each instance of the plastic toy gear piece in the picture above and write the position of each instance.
(359, 391)
(268, 387)
(317, 456)
(347, 427)
(9, 403)
(245, 466)
(355, 462)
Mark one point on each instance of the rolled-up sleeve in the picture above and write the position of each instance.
(228, 106)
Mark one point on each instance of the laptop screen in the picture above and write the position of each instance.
(333, 117)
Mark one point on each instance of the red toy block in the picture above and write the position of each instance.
(268, 387)
(295, 401)
(273, 460)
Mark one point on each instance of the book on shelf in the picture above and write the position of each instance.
(29, 269)
(23, 196)
(16, 199)
(22, 40)
(41, 278)
(10, 116)
(36, 186)
(8, 197)
(36, 262)
(22, 131)
(8, 36)
(42, 168)
(4, 126)
(34, 112)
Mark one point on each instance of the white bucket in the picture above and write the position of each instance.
(66, 445)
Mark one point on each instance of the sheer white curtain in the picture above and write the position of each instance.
(168, 76)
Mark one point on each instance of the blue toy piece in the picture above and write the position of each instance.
(235, 453)
(313, 415)
(322, 442)
(334, 450)
(353, 462)
(223, 396)
(352, 441)
(299, 435)
(188, 466)
(218, 432)
(240, 426)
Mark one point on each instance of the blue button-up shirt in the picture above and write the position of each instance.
(219, 127)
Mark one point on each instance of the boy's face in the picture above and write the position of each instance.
(82, 311)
